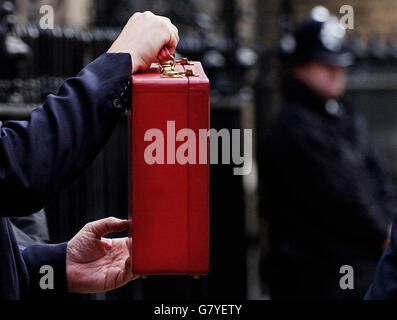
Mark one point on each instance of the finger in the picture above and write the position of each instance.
(173, 29)
(173, 41)
(107, 243)
(128, 269)
(165, 18)
(135, 277)
(106, 226)
(176, 30)
(136, 14)
(128, 275)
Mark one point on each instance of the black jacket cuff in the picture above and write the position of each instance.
(41, 258)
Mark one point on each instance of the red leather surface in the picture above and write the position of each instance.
(169, 203)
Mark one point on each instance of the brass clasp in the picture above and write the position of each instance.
(168, 69)
(184, 61)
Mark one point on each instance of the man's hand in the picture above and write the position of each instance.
(95, 264)
(143, 37)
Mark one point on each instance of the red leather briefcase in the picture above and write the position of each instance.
(169, 199)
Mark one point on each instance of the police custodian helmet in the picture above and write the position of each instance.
(321, 38)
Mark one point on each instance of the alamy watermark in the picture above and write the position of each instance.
(46, 17)
(345, 20)
(47, 280)
(193, 149)
(347, 280)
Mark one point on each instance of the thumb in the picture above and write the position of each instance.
(106, 226)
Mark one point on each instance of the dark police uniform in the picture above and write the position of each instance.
(41, 156)
(329, 202)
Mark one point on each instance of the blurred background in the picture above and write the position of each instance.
(238, 42)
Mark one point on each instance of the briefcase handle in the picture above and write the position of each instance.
(167, 64)
(165, 56)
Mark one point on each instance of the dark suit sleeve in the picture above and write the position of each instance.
(328, 176)
(42, 155)
(32, 229)
(38, 256)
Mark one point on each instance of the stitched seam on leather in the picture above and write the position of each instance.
(188, 180)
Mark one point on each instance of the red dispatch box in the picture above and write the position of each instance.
(169, 203)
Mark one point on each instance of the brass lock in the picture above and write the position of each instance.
(168, 69)
(184, 61)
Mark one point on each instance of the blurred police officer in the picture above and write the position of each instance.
(329, 201)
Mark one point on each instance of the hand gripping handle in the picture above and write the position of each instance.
(164, 55)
